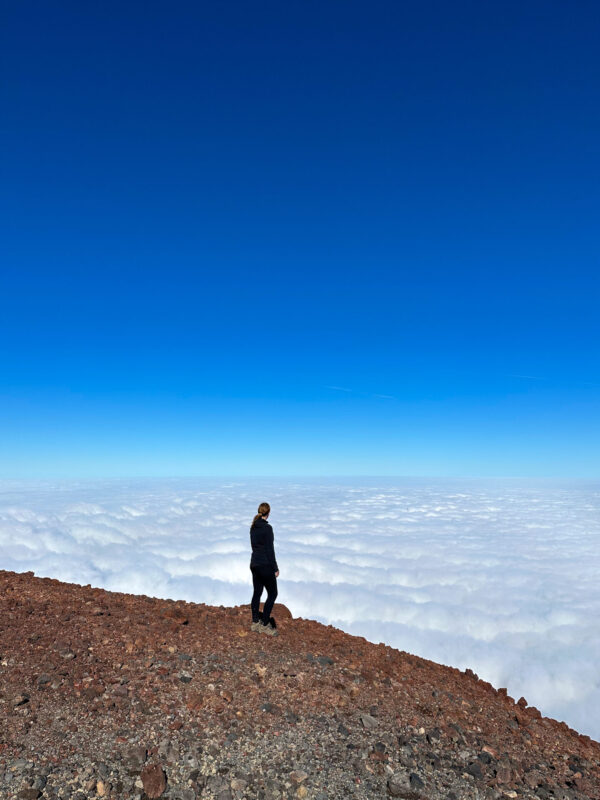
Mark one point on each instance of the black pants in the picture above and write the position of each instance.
(263, 578)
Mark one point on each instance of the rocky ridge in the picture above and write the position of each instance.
(111, 695)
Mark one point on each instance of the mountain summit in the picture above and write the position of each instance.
(113, 695)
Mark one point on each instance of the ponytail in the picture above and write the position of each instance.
(263, 511)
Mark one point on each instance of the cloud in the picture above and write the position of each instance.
(362, 394)
(501, 577)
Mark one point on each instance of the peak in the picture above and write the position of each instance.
(126, 696)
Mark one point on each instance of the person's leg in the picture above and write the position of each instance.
(258, 584)
(270, 582)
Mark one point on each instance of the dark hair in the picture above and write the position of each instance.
(263, 511)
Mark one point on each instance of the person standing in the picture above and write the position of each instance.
(265, 571)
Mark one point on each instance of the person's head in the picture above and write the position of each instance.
(263, 511)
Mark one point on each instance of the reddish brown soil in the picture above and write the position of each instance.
(87, 676)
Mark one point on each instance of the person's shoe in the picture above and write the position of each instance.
(269, 629)
(255, 626)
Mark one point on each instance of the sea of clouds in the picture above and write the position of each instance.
(499, 576)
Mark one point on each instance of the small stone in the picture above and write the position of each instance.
(503, 774)
(368, 721)
(154, 780)
(19, 765)
(398, 784)
(195, 702)
(136, 757)
(185, 677)
(260, 670)
(474, 769)
(415, 781)
(43, 680)
(490, 750)
(29, 794)
(325, 661)
(100, 788)
(238, 785)
(301, 791)
(298, 776)
(20, 700)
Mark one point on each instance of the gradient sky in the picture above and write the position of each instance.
(300, 238)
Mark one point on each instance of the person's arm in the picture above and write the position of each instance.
(271, 548)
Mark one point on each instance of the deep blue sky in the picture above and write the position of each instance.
(300, 238)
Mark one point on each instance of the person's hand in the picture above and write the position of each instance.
(277, 574)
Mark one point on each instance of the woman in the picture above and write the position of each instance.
(264, 571)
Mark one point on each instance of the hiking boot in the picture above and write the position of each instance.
(255, 626)
(269, 629)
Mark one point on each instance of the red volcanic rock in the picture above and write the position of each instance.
(154, 780)
(125, 694)
(280, 612)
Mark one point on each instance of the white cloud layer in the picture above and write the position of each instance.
(499, 576)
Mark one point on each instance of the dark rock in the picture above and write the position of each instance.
(136, 756)
(398, 784)
(325, 661)
(415, 781)
(474, 769)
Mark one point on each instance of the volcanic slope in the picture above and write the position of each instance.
(113, 695)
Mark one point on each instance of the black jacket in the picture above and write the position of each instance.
(263, 552)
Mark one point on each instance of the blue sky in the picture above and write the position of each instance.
(300, 238)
